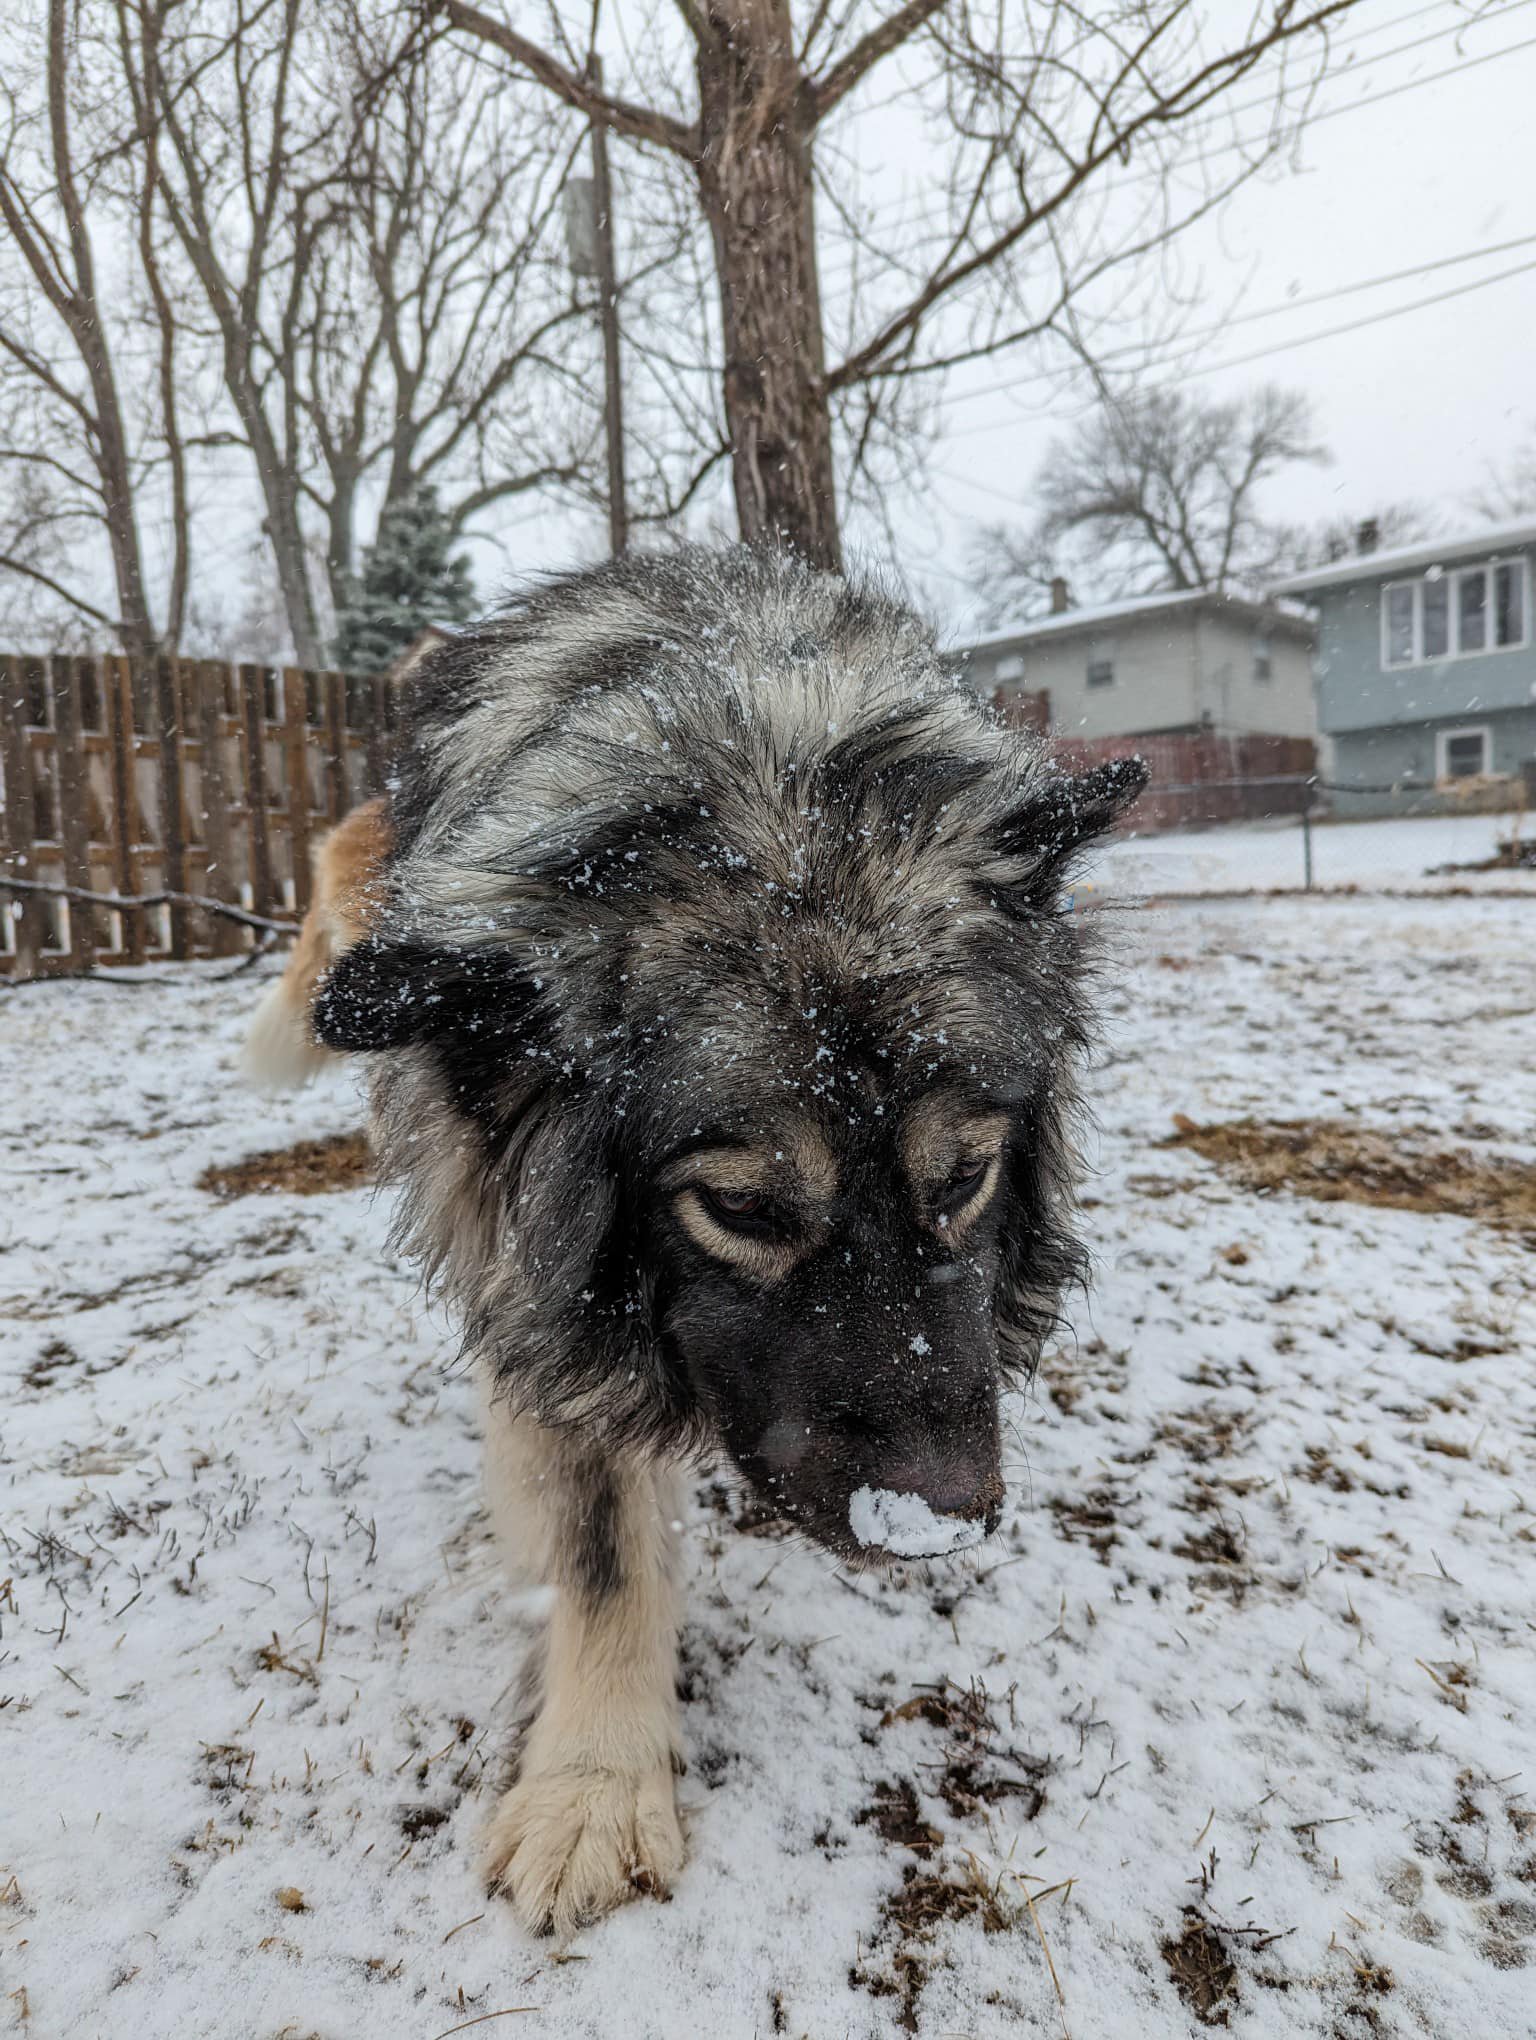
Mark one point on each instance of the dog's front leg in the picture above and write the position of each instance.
(592, 1818)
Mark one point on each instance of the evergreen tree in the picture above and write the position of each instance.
(408, 580)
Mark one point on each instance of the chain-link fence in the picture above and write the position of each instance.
(1325, 836)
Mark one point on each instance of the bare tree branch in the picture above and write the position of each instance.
(125, 903)
(639, 123)
(13, 565)
(889, 35)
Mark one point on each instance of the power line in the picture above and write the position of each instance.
(1418, 84)
(1374, 319)
(1303, 122)
(1375, 57)
(1297, 304)
(1306, 340)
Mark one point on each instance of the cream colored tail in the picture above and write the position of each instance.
(281, 1053)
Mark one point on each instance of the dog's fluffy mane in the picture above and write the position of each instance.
(671, 824)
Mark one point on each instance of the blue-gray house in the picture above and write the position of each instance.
(1425, 666)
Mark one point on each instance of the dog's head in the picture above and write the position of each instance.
(746, 1123)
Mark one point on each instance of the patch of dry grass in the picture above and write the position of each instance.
(307, 1169)
(1337, 1162)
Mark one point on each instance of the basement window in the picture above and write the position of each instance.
(1463, 754)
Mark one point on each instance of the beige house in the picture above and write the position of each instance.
(1158, 664)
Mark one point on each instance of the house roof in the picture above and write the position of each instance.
(1427, 553)
(1241, 608)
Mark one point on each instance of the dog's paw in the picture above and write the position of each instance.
(567, 1845)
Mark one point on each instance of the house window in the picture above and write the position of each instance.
(1435, 611)
(1509, 603)
(1011, 668)
(1101, 672)
(1472, 611)
(1462, 754)
(1263, 658)
(1455, 616)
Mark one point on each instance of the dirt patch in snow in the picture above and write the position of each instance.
(307, 1169)
(1203, 1972)
(910, 1918)
(1337, 1162)
(900, 1956)
(894, 1814)
(970, 1778)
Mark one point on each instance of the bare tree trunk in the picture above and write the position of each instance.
(72, 293)
(341, 529)
(757, 117)
(285, 534)
(166, 328)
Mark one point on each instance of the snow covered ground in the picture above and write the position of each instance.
(1236, 1712)
(1395, 855)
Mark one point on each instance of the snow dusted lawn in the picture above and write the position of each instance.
(1252, 1657)
(1373, 856)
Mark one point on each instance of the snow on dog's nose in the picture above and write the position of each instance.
(948, 1515)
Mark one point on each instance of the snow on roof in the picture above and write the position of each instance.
(1426, 553)
(1242, 606)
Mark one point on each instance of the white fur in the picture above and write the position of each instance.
(280, 1052)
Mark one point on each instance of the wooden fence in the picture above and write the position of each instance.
(180, 776)
(1204, 778)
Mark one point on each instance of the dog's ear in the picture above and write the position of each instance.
(1060, 815)
(387, 994)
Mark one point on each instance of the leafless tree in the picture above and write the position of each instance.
(1508, 490)
(78, 451)
(1160, 489)
(1045, 116)
(371, 247)
(443, 342)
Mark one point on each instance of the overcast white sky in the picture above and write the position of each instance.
(1414, 407)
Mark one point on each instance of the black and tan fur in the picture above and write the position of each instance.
(725, 1014)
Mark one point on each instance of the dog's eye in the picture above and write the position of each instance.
(734, 1204)
(964, 1183)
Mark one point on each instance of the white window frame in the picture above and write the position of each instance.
(1443, 741)
(1453, 578)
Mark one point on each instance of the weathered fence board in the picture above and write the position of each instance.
(28, 924)
(133, 778)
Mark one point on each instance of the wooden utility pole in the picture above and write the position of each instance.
(608, 318)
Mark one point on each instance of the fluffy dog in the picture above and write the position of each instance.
(725, 1012)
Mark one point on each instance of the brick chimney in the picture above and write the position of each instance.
(1061, 596)
(1368, 537)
